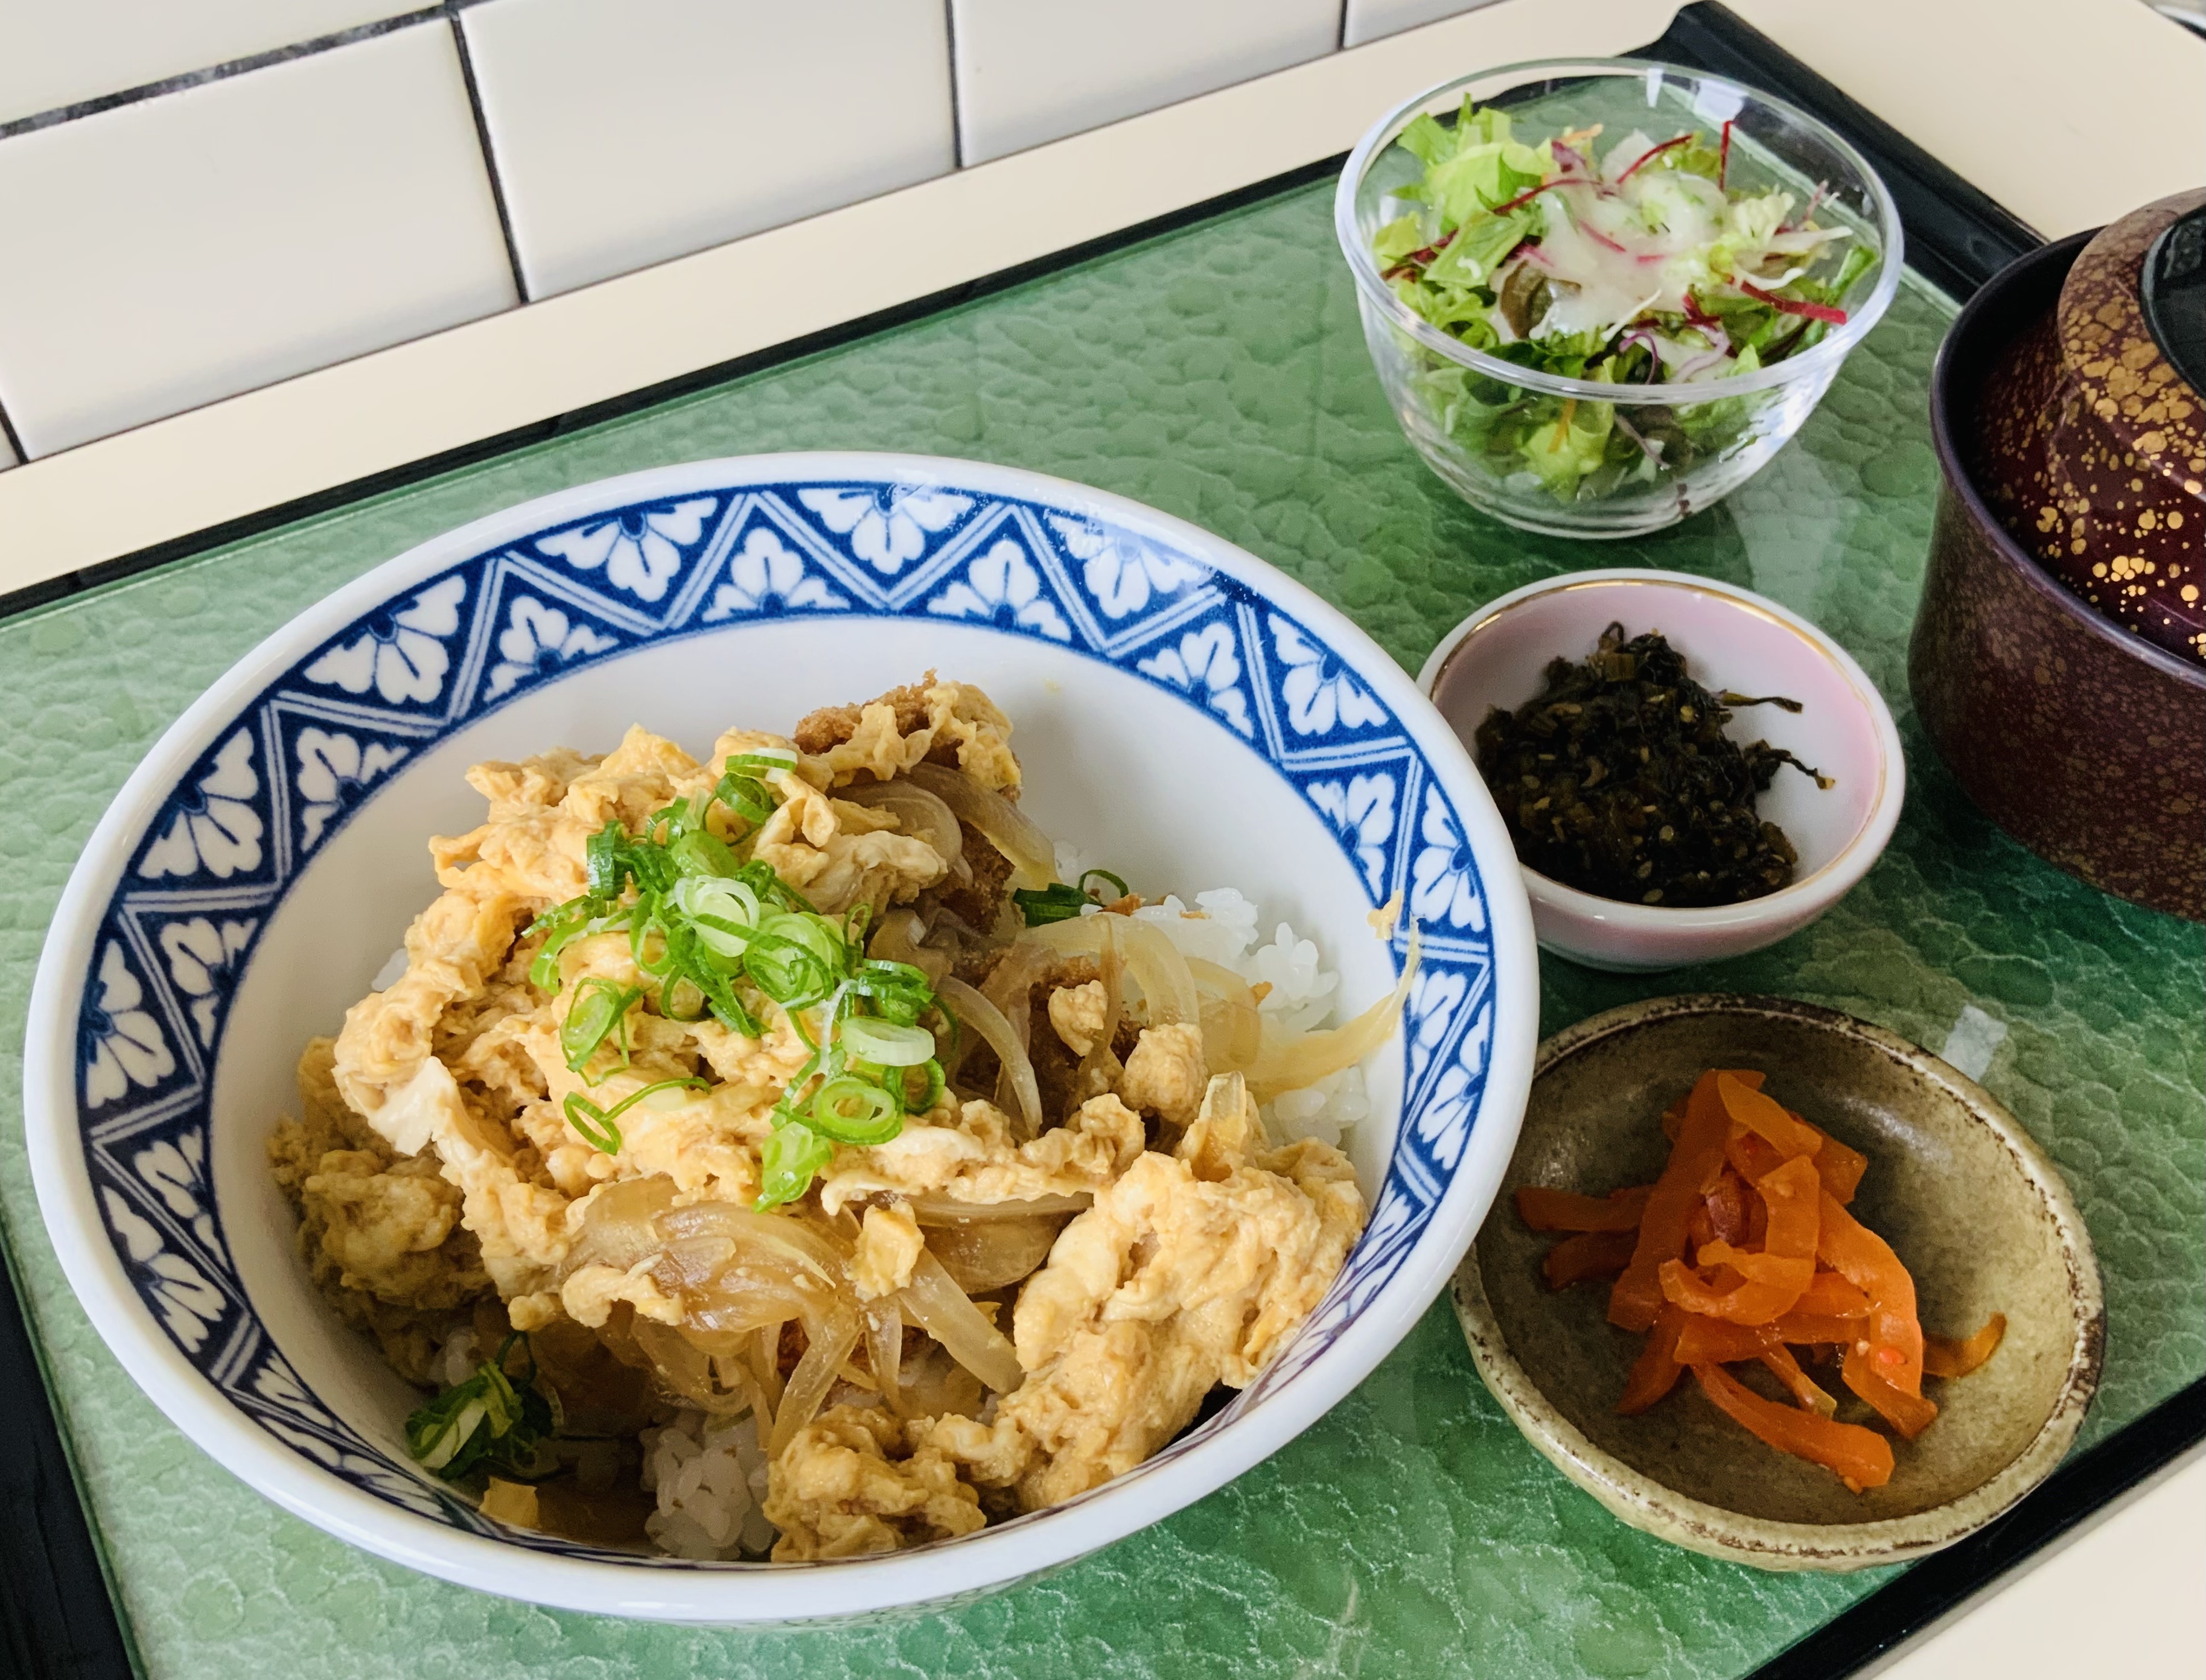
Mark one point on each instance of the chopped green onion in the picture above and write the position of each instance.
(880, 969)
(485, 1423)
(1116, 882)
(683, 999)
(792, 1154)
(600, 1008)
(699, 853)
(724, 912)
(561, 925)
(936, 1085)
(747, 796)
(760, 878)
(1054, 902)
(766, 761)
(794, 957)
(700, 917)
(898, 990)
(603, 859)
(596, 1124)
(851, 1110)
(887, 1044)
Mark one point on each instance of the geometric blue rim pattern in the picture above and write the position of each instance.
(291, 766)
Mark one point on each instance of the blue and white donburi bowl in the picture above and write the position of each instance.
(1182, 710)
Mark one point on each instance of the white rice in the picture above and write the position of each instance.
(1224, 927)
(710, 1478)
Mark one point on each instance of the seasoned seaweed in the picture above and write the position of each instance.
(1619, 780)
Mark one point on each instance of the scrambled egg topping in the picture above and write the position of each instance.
(437, 1176)
(1185, 1274)
(857, 1480)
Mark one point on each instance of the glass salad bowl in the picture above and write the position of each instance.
(1644, 278)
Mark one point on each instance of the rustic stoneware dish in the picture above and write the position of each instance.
(1971, 1205)
(1733, 639)
(1204, 717)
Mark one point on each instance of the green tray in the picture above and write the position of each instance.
(1219, 373)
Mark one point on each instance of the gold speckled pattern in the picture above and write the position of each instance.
(2094, 449)
(2085, 742)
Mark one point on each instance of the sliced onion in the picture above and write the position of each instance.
(920, 814)
(1232, 1029)
(685, 1367)
(949, 1210)
(763, 1356)
(936, 1385)
(1007, 828)
(995, 1255)
(794, 1242)
(736, 1372)
(977, 1015)
(691, 1262)
(947, 1313)
(885, 1350)
(897, 938)
(1099, 1068)
(743, 1300)
(1152, 962)
(957, 940)
(618, 1228)
(828, 1344)
(1009, 986)
(1309, 1056)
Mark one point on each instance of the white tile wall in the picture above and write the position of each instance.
(228, 231)
(59, 52)
(177, 250)
(1367, 19)
(1035, 70)
(627, 134)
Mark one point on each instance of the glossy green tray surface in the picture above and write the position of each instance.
(1217, 373)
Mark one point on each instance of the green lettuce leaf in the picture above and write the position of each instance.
(1573, 444)
(1477, 249)
(1400, 236)
(1427, 140)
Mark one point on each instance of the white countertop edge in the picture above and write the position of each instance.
(2116, 1595)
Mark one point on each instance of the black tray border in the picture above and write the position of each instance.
(58, 1619)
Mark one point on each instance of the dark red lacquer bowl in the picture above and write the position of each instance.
(2076, 735)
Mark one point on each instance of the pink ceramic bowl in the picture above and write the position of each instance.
(1731, 639)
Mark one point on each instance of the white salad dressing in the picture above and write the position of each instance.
(1630, 239)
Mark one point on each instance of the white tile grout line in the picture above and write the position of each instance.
(489, 153)
(228, 68)
(957, 100)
